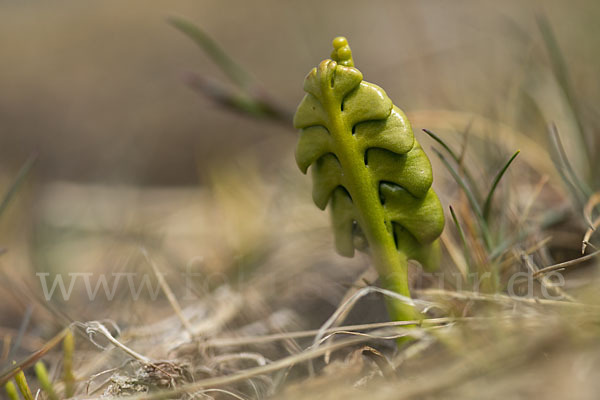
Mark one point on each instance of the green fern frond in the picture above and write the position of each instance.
(367, 165)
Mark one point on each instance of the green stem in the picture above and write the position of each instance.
(390, 264)
(23, 385)
(11, 391)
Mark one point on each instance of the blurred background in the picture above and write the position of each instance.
(102, 95)
(98, 89)
(127, 147)
(113, 139)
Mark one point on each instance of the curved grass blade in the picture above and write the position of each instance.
(593, 202)
(234, 100)
(488, 200)
(230, 68)
(588, 234)
(549, 219)
(470, 197)
(459, 160)
(248, 97)
(562, 154)
(461, 233)
(561, 73)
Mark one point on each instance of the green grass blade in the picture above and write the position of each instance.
(21, 175)
(488, 200)
(561, 73)
(463, 240)
(229, 98)
(443, 144)
(472, 201)
(11, 391)
(23, 385)
(580, 185)
(558, 64)
(257, 105)
(459, 160)
(549, 219)
(230, 68)
(44, 380)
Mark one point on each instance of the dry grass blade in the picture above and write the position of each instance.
(592, 203)
(251, 372)
(546, 283)
(307, 355)
(386, 367)
(566, 264)
(347, 305)
(227, 392)
(386, 336)
(532, 200)
(501, 298)
(6, 345)
(477, 363)
(588, 210)
(248, 340)
(588, 234)
(530, 250)
(33, 358)
(456, 255)
(94, 327)
(169, 293)
(352, 301)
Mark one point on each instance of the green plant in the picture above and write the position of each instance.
(23, 385)
(44, 380)
(367, 165)
(11, 391)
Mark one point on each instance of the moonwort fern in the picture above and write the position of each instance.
(367, 165)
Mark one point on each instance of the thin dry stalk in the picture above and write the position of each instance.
(169, 293)
(566, 264)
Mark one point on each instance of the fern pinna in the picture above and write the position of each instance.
(367, 165)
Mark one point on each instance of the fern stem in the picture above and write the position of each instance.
(370, 170)
(391, 265)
